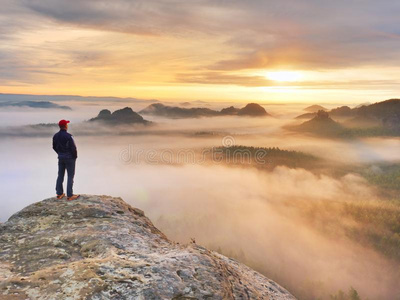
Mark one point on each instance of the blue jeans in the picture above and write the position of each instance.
(69, 164)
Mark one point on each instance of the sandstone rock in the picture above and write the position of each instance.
(253, 109)
(99, 247)
(123, 116)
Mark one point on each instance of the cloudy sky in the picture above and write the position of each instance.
(264, 50)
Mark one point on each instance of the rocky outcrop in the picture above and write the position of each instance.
(99, 247)
(253, 109)
(321, 124)
(175, 112)
(339, 112)
(367, 114)
(314, 108)
(119, 117)
(342, 111)
(158, 109)
(231, 110)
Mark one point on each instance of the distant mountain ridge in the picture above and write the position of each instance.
(34, 104)
(159, 109)
(162, 110)
(314, 108)
(385, 111)
(378, 119)
(55, 98)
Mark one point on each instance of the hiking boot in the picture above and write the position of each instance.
(60, 196)
(73, 197)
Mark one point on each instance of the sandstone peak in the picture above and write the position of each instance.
(99, 247)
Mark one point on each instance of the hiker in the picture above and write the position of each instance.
(65, 147)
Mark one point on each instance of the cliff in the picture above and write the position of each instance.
(99, 247)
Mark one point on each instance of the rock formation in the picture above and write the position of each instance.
(314, 108)
(342, 111)
(367, 113)
(119, 117)
(99, 247)
(321, 124)
(253, 109)
(175, 112)
(231, 110)
(339, 112)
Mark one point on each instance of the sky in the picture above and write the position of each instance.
(214, 50)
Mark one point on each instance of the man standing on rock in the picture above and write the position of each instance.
(65, 147)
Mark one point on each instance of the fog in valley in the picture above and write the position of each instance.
(303, 227)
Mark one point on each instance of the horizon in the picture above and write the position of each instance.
(193, 101)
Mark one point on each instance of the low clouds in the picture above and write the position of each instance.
(273, 220)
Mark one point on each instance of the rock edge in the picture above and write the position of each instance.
(99, 247)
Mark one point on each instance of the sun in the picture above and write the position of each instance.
(284, 76)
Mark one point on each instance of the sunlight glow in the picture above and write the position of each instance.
(284, 76)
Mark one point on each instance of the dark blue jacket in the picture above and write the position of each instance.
(64, 145)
